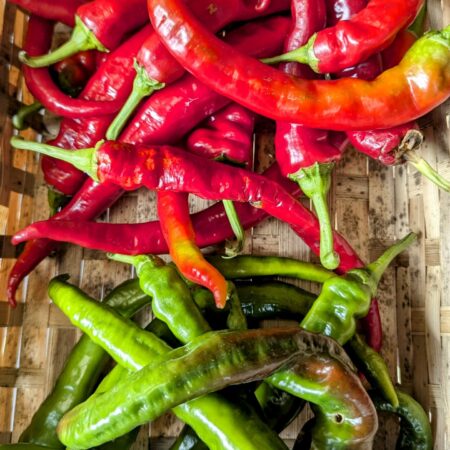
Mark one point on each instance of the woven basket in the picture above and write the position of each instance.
(372, 206)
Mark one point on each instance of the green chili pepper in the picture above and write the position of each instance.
(246, 266)
(218, 422)
(211, 362)
(373, 366)
(344, 299)
(82, 369)
(172, 301)
(265, 300)
(188, 440)
(415, 429)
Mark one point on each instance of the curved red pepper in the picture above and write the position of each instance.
(354, 40)
(401, 94)
(173, 213)
(111, 82)
(99, 25)
(45, 90)
(61, 11)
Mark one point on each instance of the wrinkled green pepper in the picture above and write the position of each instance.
(213, 361)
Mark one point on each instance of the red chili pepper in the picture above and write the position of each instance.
(403, 93)
(225, 136)
(305, 155)
(156, 67)
(165, 117)
(44, 89)
(173, 212)
(354, 40)
(61, 11)
(111, 83)
(99, 25)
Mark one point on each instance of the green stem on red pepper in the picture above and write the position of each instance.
(143, 86)
(81, 39)
(315, 183)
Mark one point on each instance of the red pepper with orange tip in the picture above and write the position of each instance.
(411, 89)
(351, 41)
(61, 11)
(180, 237)
(99, 25)
(45, 90)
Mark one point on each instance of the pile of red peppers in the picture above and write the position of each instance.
(164, 94)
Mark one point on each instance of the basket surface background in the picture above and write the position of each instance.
(372, 206)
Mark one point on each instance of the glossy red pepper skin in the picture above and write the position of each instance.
(111, 20)
(365, 33)
(405, 92)
(160, 65)
(173, 213)
(161, 119)
(112, 82)
(45, 90)
(338, 10)
(60, 11)
(226, 135)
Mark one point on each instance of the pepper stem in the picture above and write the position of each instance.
(315, 182)
(408, 151)
(83, 159)
(19, 119)
(82, 38)
(137, 261)
(302, 55)
(236, 226)
(378, 267)
(143, 86)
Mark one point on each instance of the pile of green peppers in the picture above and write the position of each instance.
(235, 384)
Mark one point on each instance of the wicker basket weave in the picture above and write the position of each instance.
(372, 207)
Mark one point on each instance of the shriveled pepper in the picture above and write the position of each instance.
(99, 25)
(411, 89)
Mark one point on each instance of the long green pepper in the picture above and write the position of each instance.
(81, 371)
(217, 421)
